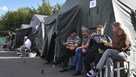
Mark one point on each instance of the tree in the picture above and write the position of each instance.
(45, 9)
(14, 19)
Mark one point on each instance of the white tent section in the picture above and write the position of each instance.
(25, 26)
(38, 30)
(122, 14)
(37, 21)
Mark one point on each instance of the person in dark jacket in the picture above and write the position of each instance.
(96, 46)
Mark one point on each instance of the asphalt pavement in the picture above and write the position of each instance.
(13, 66)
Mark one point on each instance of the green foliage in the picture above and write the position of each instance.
(14, 19)
(2, 27)
(45, 9)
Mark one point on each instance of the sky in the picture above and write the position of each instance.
(11, 5)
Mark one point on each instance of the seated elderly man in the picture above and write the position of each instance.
(27, 43)
(78, 57)
(70, 45)
(117, 50)
(89, 49)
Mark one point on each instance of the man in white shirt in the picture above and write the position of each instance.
(27, 42)
(26, 47)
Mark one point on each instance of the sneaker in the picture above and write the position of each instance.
(91, 73)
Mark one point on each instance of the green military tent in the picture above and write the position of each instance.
(37, 35)
(50, 36)
(77, 13)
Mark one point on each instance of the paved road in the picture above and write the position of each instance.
(28, 67)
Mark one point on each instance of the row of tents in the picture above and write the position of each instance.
(49, 32)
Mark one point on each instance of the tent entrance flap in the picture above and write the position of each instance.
(67, 22)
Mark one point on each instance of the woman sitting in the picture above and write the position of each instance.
(117, 50)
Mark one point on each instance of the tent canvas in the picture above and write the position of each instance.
(67, 22)
(50, 35)
(38, 31)
(75, 13)
(38, 21)
(57, 29)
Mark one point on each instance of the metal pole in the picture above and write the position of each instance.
(118, 70)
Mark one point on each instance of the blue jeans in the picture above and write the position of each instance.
(111, 53)
(78, 60)
(108, 57)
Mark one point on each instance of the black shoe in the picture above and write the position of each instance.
(63, 70)
(77, 74)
